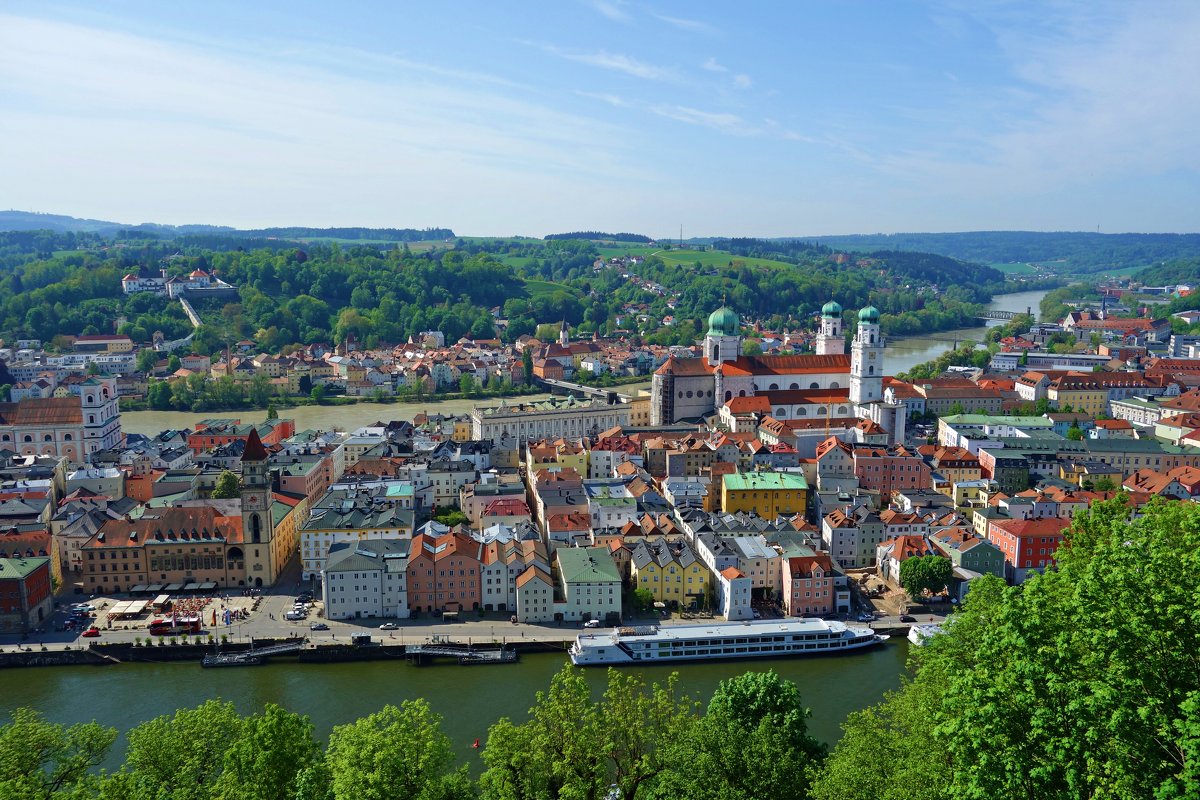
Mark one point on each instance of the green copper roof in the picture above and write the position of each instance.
(869, 314)
(831, 309)
(723, 322)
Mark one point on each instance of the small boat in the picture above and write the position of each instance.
(917, 634)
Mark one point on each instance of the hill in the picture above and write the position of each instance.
(1064, 251)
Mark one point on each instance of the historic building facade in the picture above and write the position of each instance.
(826, 385)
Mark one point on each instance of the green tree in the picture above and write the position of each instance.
(1075, 433)
(39, 759)
(752, 742)
(451, 515)
(180, 756)
(1105, 484)
(1082, 682)
(173, 363)
(467, 384)
(272, 412)
(260, 390)
(227, 486)
(930, 573)
(318, 393)
(397, 752)
(266, 761)
(643, 599)
(159, 395)
(527, 365)
(146, 359)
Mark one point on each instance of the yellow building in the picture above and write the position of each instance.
(972, 493)
(767, 494)
(559, 453)
(639, 410)
(670, 571)
(462, 429)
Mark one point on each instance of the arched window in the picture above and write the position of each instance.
(28, 438)
(814, 385)
(794, 386)
(835, 385)
(728, 396)
(66, 437)
(801, 412)
(871, 369)
(91, 399)
(822, 410)
(773, 387)
(781, 413)
(47, 438)
(842, 409)
(255, 528)
(742, 393)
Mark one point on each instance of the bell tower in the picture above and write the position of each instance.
(257, 529)
(866, 359)
(830, 340)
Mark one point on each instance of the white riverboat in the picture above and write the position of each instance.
(784, 638)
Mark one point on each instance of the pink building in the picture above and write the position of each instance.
(808, 585)
(444, 573)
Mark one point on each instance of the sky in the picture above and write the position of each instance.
(527, 118)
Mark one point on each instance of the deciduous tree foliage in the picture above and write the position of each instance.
(1083, 682)
(925, 573)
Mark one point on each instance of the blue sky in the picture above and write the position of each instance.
(500, 118)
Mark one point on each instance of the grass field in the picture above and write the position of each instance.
(708, 258)
(1015, 269)
(538, 288)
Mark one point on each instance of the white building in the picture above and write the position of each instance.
(546, 419)
(367, 580)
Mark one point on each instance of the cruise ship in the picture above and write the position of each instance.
(760, 639)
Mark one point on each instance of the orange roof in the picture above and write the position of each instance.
(533, 573)
(732, 573)
(749, 405)
(788, 365)
(36, 411)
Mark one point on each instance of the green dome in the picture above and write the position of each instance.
(723, 322)
(869, 314)
(831, 309)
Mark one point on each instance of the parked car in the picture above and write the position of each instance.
(389, 626)
(757, 614)
(907, 618)
(91, 633)
(318, 626)
(592, 623)
(295, 616)
(866, 617)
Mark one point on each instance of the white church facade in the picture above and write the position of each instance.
(826, 385)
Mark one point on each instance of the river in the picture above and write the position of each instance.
(469, 700)
(902, 353)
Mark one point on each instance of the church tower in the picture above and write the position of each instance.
(564, 334)
(257, 530)
(830, 341)
(866, 359)
(723, 342)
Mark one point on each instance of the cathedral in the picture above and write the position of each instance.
(826, 385)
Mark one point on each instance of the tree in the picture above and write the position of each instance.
(227, 486)
(451, 515)
(318, 393)
(1105, 484)
(5, 392)
(272, 412)
(260, 390)
(39, 759)
(575, 747)
(1075, 684)
(1075, 433)
(180, 757)
(467, 384)
(931, 573)
(267, 760)
(527, 365)
(643, 599)
(173, 363)
(752, 742)
(955, 408)
(159, 395)
(397, 752)
(146, 359)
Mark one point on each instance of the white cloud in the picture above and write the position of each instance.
(721, 121)
(618, 62)
(684, 24)
(712, 65)
(613, 10)
(742, 81)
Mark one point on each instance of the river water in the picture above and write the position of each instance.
(468, 699)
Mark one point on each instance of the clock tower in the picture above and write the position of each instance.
(257, 529)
